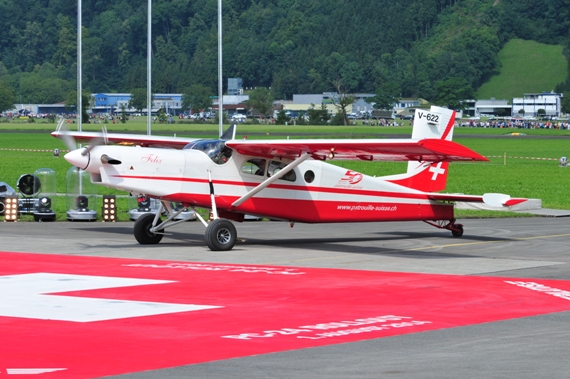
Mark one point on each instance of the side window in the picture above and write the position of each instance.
(254, 166)
(309, 176)
(276, 166)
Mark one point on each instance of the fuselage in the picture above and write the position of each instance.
(312, 192)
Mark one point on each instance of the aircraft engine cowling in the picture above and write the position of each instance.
(135, 169)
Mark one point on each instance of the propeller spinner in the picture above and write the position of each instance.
(80, 157)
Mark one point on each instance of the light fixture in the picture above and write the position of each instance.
(109, 208)
(11, 208)
(144, 203)
(82, 203)
(42, 210)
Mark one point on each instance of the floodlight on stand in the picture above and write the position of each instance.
(140, 205)
(144, 203)
(43, 211)
(109, 208)
(81, 196)
(11, 208)
(44, 201)
(82, 203)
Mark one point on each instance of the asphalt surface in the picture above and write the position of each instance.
(528, 347)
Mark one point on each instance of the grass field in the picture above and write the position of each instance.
(519, 177)
(542, 67)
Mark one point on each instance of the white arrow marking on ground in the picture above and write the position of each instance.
(33, 296)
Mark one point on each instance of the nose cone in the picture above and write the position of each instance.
(77, 159)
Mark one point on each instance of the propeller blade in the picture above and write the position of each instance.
(94, 142)
(68, 140)
(101, 140)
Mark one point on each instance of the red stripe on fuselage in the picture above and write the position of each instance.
(349, 191)
(322, 211)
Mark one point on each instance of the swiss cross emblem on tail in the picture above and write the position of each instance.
(437, 170)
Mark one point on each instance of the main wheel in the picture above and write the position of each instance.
(459, 230)
(142, 230)
(221, 235)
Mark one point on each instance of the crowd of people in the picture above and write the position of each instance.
(515, 124)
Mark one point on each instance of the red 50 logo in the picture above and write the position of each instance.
(352, 177)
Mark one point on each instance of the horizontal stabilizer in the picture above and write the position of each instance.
(497, 200)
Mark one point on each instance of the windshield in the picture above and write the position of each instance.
(216, 149)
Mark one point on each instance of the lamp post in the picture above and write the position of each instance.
(148, 70)
(79, 110)
(220, 83)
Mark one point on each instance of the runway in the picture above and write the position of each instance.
(401, 300)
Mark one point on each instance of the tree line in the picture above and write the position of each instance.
(440, 50)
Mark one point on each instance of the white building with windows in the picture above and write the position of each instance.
(530, 103)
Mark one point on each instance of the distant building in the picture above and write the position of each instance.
(235, 86)
(488, 107)
(303, 102)
(109, 102)
(530, 103)
(232, 104)
(113, 102)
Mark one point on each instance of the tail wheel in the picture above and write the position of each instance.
(457, 230)
(142, 230)
(221, 235)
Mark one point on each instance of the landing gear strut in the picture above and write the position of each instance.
(149, 228)
(456, 229)
(142, 229)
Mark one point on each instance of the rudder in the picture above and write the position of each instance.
(437, 123)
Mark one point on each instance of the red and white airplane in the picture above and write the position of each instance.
(282, 179)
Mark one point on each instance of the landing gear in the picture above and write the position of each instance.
(456, 229)
(221, 235)
(143, 230)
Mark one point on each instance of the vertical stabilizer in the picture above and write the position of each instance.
(437, 123)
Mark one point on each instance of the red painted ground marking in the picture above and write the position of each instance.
(261, 309)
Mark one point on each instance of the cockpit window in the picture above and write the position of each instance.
(217, 150)
(254, 166)
(257, 166)
(276, 166)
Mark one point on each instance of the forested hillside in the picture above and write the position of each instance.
(399, 47)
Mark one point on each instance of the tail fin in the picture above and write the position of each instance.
(230, 133)
(428, 176)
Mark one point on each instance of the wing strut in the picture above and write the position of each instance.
(270, 180)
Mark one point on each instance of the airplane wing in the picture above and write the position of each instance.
(126, 139)
(429, 149)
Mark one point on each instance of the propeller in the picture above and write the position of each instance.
(65, 136)
(102, 139)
